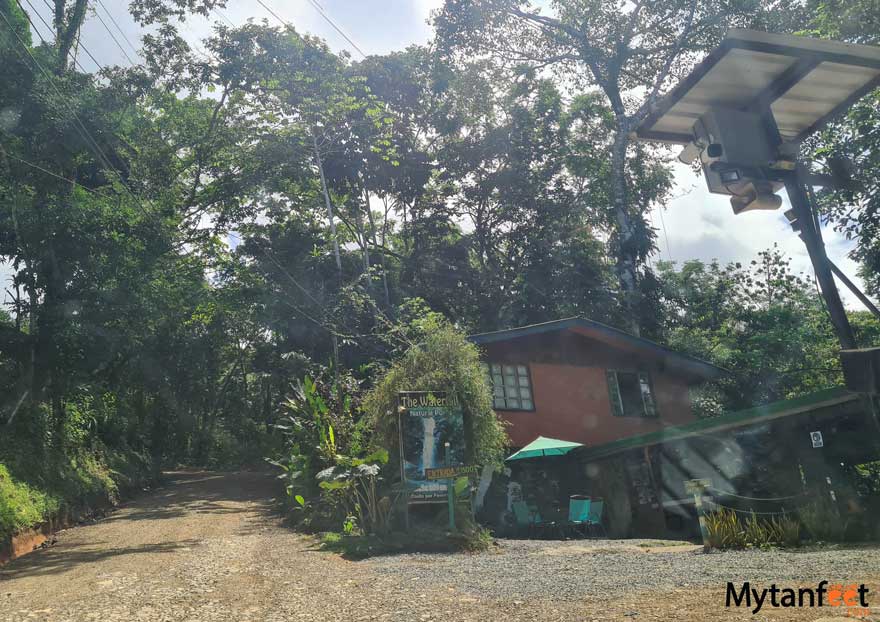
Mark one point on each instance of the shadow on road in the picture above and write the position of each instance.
(183, 494)
(202, 492)
(54, 561)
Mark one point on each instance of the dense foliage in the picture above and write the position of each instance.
(190, 237)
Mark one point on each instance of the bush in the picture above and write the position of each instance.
(822, 521)
(471, 538)
(42, 476)
(787, 530)
(22, 506)
(725, 530)
(442, 358)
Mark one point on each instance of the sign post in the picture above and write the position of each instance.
(450, 491)
(697, 487)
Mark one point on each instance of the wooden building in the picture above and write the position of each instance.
(583, 381)
(626, 399)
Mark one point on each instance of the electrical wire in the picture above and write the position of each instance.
(665, 235)
(217, 11)
(79, 44)
(730, 494)
(78, 124)
(337, 28)
(115, 40)
(115, 23)
(31, 22)
(323, 14)
(274, 14)
(332, 330)
(47, 75)
(55, 175)
(83, 131)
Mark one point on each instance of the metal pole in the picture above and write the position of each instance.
(855, 290)
(697, 487)
(813, 241)
(405, 492)
(450, 491)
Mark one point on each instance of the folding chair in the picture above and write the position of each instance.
(595, 520)
(578, 514)
(526, 518)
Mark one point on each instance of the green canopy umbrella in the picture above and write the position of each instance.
(543, 446)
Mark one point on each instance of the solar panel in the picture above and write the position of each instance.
(804, 82)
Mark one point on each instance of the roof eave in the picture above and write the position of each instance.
(697, 369)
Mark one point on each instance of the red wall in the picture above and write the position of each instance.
(571, 392)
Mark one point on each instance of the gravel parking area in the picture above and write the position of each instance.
(620, 579)
(208, 547)
(574, 570)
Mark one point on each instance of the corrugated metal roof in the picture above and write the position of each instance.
(804, 81)
(812, 402)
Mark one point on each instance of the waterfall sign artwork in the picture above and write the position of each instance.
(429, 420)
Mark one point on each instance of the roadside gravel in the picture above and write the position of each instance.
(522, 569)
(208, 547)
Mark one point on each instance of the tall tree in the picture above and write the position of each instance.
(631, 52)
(853, 141)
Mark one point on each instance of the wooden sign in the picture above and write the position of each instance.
(694, 486)
(431, 438)
(451, 472)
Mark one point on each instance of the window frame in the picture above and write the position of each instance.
(528, 376)
(616, 398)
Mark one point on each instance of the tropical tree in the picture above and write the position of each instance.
(631, 53)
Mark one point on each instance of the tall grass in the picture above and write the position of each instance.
(726, 530)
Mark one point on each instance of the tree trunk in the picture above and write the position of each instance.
(625, 250)
(333, 339)
(375, 241)
(329, 205)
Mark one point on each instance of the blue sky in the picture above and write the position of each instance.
(697, 224)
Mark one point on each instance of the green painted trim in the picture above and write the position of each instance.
(774, 410)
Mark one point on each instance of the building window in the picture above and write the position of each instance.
(631, 394)
(511, 387)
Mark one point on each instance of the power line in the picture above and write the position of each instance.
(217, 11)
(338, 29)
(112, 36)
(267, 252)
(78, 124)
(51, 30)
(323, 14)
(665, 235)
(31, 22)
(82, 131)
(118, 27)
(274, 14)
(55, 175)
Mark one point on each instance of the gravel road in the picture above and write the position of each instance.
(208, 547)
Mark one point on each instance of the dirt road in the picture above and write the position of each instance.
(208, 547)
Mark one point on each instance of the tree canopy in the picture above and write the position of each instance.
(189, 235)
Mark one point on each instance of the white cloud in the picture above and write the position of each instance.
(700, 225)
